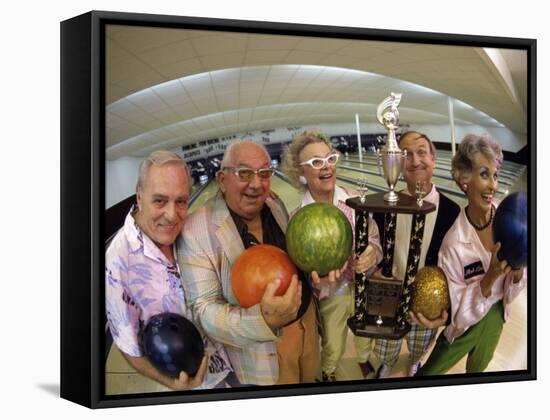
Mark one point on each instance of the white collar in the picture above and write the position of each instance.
(137, 239)
(466, 232)
(339, 195)
(430, 197)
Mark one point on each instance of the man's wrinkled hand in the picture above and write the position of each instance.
(281, 310)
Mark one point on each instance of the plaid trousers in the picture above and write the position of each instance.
(418, 341)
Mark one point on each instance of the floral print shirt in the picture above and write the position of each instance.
(141, 282)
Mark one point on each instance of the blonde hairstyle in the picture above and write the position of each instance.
(159, 158)
(471, 145)
(291, 155)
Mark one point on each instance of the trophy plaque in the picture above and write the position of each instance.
(382, 301)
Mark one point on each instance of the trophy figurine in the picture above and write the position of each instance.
(419, 192)
(393, 158)
(363, 188)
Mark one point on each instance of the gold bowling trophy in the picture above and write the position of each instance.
(382, 301)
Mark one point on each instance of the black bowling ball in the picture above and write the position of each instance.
(173, 344)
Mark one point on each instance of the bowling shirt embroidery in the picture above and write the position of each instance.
(216, 364)
(473, 270)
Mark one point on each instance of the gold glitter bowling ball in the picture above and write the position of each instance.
(430, 293)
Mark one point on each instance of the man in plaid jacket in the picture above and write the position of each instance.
(209, 246)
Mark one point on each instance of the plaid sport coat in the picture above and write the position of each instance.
(207, 249)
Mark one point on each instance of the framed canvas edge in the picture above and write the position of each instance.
(532, 195)
(88, 387)
(75, 123)
(313, 389)
(285, 28)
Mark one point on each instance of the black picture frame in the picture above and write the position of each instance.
(83, 203)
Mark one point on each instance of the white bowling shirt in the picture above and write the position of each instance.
(465, 261)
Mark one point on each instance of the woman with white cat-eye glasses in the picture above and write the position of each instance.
(310, 163)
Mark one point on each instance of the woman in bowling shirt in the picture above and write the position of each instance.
(480, 286)
(310, 163)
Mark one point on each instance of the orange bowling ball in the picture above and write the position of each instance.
(255, 268)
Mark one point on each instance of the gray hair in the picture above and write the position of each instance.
(159, 158)
(469, 147)
(291, 154)
(227, 159)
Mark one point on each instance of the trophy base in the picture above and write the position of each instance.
(391, 197)
(372, 327)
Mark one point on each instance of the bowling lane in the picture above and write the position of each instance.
(509, 171)
(449, 186)
(291, 196)
(121, 378)
(348, 171)
(520, 184)
(440, 171)
(379, 181)
(209, 192)
(445, 157)
(509, 166)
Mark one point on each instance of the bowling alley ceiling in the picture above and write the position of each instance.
(171, 87)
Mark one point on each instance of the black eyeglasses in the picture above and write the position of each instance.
(247, 174)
